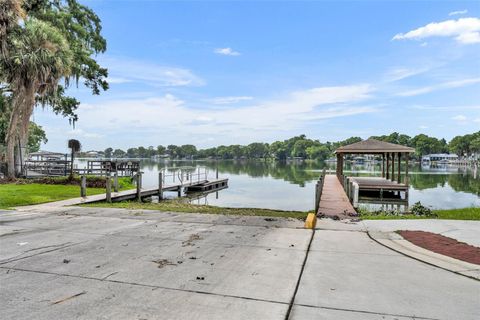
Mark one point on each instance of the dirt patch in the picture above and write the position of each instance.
(443, 245)
(163, 262)
(191, 239)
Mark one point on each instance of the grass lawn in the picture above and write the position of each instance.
(451, 214)
(178, 206)
(14, 195)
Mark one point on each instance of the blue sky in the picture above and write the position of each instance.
(228, 72)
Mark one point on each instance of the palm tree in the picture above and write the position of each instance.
(10, 13)
(75, 146)
(39, 56)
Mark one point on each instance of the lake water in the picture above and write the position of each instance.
(291, 186)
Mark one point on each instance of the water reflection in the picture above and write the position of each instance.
(290, 185)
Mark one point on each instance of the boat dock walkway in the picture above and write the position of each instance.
(333, 200)
(133, 193)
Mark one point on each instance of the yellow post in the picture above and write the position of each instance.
(311, 221)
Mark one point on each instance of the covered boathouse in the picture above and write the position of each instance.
(389, 184)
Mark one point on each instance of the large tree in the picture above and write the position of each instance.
(56, 39)
(39, 57)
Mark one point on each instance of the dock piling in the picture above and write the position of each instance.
(139, 186)
(83, 187)
(108, 185)
(160, 186)
(115, 182)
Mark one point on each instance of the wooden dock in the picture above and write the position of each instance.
(131, 194)
(334, 202)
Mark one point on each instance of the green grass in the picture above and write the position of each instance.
(451, 214)
(178, 206)
(459, 214)
(14, 195)
(25, 193)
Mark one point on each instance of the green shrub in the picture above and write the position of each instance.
(420, 210)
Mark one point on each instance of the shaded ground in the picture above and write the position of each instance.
(443, 245)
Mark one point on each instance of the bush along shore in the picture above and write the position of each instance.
(418, 211)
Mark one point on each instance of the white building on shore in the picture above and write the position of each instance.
(440, 157)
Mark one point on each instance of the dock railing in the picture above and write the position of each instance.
(184, 175)
(319, 189)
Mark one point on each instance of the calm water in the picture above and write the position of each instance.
(291, 186)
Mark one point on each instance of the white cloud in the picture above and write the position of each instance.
(459, 12)
(423, 127)
(477, 120)
(464, 30)
(446, 108)
(80, 133)
(444, 85)
(118, 80)
(399, 73)
(229, 100)
(460, 118)
(227, 52)
(130, 70)
(168, 116)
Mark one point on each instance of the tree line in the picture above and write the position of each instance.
(300, 147)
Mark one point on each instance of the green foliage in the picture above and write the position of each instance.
(420, 210)
(36, 136)
(465, 145)
(108, 152)
(298, 146)
(74, 145)
(82, 30)
(450, 214)
(424, 144)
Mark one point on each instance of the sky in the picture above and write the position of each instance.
(236, 72)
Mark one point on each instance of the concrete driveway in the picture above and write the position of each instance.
(91, 263)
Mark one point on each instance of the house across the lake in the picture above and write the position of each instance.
(440, 157)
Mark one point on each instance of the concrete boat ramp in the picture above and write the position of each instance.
(95, 263)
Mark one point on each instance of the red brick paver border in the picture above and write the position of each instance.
(443, 245)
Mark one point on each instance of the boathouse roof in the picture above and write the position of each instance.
(373, 146)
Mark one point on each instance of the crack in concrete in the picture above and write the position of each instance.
(290, 306)
(146, 285)
(13, 259)
(368, 312)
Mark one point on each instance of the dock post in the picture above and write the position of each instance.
(216, 173)
(139, 186)
(356, 190)
(392, 178)
(108, 186)
(115, 182)
(179, 191)
(160, 186)
(83, 187)
(317, 196)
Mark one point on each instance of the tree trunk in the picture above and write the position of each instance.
(12, 134)
(23, 103)
(71, 165)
